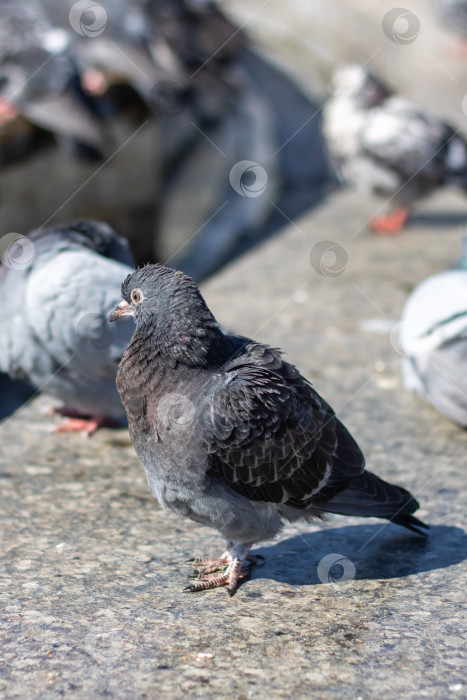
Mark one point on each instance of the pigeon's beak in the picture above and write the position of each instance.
(122, 309)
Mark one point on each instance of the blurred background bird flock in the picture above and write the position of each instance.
(159, 131)
(162, 131)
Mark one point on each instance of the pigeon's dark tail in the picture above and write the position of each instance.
(371, 497)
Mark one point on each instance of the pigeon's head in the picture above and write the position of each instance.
(167, 305)
(152, 292)
(84, 233)
(357, 84)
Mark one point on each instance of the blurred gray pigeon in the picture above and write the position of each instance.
(386, 146)
(454, 14)
(56, 295)
(229, 434)
(433, 338)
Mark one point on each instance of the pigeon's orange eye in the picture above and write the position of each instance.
(136, 296)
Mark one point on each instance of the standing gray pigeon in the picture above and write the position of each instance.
(433, 338)
(386, 146)
(229, 434)
(54, 320)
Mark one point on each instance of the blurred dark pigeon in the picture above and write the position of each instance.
(229, 434)
(112, 41)
(57, 295)
(38, 75)
(433, 338)
(385, 146)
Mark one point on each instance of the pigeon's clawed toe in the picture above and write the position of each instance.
(201, 567)
(206, 567)
(222, 572)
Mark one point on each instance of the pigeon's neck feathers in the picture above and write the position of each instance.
(188, 335)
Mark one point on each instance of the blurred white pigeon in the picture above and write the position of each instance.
(433, 337)
(55, 333)
(385, 146)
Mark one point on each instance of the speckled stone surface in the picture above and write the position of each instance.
(92, 570)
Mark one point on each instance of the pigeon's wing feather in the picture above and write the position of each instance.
(75, 291)
(15, 334)
(406, 139)
(442, 378)
(433, 337)
(273, 438)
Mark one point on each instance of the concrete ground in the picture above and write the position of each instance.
(92, 570)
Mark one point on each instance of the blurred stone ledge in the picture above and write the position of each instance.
(92, 570)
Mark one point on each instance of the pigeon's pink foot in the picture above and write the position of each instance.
(458, 50)
(392, 223)
(231, 577)
(8, 111)
(87, 425)
(208, 566)
(224, 571)
(94, 82)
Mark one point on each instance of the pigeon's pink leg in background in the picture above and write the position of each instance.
(8, 111)
(75, 422)
(94, 82)
(392, 223)
(458, 50)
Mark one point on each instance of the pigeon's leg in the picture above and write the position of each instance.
(235, 571)
(8, 111)
(231, 577)
(392, 223)
(88, 425)
(94, 82)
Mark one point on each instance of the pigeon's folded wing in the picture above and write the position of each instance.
(405, 139)
(75, 292)
(15, 333)
(274, 439)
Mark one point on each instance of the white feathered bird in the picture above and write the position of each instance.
(386, 146)
(433, 337)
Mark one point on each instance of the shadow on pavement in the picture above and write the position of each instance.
(377, 552)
